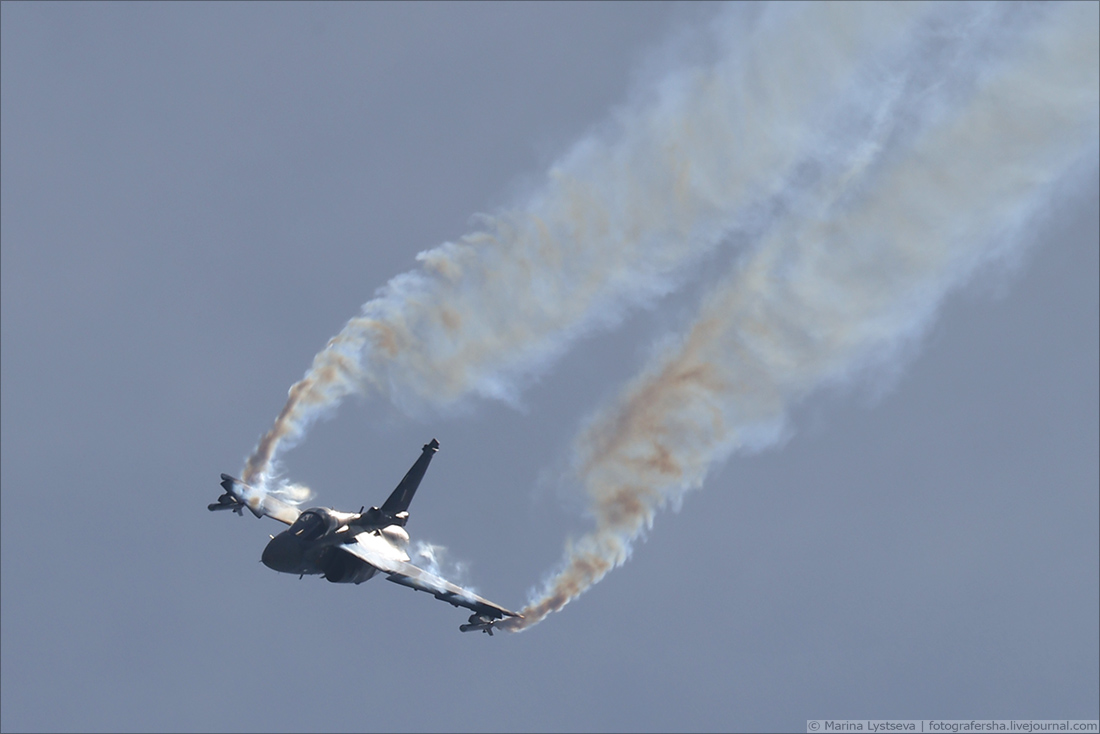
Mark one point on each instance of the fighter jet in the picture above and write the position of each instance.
(349, 548)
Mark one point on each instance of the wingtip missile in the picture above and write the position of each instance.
(483, 622)
(230, 500)
(478, 622)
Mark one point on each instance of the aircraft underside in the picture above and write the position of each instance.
(350, 548)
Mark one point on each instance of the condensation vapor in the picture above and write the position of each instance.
(843, 287)
(620, 220)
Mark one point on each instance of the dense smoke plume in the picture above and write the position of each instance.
(871, 157)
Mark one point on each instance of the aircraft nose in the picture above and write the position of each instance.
(282, 554)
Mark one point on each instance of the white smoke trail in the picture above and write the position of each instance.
(877, 155)
(838, 288)
(622, 218)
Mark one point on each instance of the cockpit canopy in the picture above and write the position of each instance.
(309, 526)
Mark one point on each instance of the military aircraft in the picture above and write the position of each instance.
(349, 548)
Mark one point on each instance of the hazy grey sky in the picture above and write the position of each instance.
(196, 197)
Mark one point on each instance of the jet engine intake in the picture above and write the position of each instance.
(343, 568)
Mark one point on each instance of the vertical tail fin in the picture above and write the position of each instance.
(400, 498)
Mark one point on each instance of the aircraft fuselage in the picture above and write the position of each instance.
(348, 547)
(310, 546)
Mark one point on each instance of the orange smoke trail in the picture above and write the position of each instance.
(831, 293)
(617, 224)
(886, 152)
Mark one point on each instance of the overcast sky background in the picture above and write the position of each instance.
(196, 197)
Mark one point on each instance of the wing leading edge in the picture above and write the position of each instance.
(406, 574)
